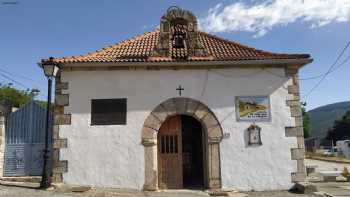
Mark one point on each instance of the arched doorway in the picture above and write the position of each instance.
(211, 134)
(181, 149)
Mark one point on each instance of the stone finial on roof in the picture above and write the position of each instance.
(177, 20)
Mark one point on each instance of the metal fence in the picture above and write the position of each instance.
(25, 138)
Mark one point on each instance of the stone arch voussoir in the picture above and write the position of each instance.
(181, 106)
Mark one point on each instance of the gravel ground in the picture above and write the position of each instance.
(22, 191)
(326, 166)
(13, 191)
(277, 194)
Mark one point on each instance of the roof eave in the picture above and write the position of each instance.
(300, 62)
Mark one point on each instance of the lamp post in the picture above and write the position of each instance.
(51, 69)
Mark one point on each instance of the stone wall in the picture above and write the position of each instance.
(60, 118)
(297, 152)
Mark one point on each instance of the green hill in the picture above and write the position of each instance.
(323, 117)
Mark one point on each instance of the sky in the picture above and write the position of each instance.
(34, 29)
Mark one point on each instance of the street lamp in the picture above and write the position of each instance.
(51, 69)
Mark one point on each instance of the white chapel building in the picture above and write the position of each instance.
(179, 108)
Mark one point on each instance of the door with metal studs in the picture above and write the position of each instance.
(170, 154)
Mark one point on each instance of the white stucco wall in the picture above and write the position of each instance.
(113, 156)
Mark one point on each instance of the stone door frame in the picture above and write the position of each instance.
(211, 127)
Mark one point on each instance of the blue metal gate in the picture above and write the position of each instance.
(25, 141)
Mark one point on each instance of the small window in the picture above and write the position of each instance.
(108, 111)
(168, 144)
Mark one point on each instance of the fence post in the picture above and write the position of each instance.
(2, 143)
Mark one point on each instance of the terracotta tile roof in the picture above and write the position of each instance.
(141, 48)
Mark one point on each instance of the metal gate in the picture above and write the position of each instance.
(25, 141)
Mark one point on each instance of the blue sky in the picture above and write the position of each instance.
(36, 29)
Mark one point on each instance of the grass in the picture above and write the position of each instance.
(321, 157)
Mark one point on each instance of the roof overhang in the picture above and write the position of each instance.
(86, 66)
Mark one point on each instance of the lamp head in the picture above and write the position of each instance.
(50, 68)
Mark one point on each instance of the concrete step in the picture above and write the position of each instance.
(20, 184)
(30, 179)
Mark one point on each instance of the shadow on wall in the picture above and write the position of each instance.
(145, 92)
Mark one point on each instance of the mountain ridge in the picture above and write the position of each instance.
(322, 118)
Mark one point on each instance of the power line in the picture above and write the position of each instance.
(311, 78)
(19, 83)
(20, 76)
(205, 83)
(341, 64)
(274, 74)
(329, 70)
(225, 75)
(336, 68)
(5, 74)
(9, 2)
(317, 76)
(15, 81)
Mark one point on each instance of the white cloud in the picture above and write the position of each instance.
(263, 16)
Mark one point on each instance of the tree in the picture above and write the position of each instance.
(306, 121)
(14, 97)
(341, 129)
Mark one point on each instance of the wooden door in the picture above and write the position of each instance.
(170, 154)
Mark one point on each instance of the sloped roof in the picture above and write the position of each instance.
(141, 49)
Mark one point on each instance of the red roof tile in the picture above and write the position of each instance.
(141, 48)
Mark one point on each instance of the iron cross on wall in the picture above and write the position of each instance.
(180, 89)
